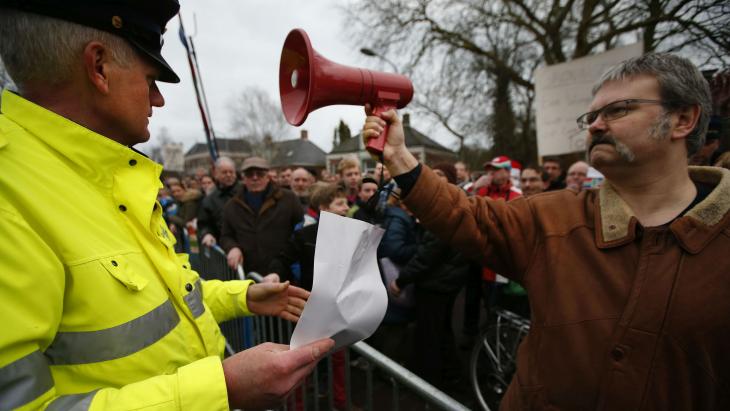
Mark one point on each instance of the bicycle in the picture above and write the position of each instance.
(494, 357)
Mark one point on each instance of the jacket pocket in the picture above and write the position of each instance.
(118, 267)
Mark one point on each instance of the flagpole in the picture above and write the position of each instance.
(200, 80)
(199, 93)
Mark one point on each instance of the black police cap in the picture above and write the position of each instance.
(141, 22)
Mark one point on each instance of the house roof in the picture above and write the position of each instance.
(348, 146)
(229, 145)
(414, 138)
(298, 152)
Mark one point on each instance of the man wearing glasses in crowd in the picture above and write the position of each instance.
(628, 283)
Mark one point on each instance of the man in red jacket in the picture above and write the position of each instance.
(501, 185)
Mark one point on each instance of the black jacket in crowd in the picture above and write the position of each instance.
(365, 213)
(435, 266)
(300, 248)
(210, 213)
(558, 184)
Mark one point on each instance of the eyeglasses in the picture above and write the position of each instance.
(612, 111)
(252, 172)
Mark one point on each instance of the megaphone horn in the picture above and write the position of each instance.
(308, 81)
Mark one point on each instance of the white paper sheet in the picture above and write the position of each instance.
(348, 299)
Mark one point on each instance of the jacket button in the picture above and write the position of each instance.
(617, 353)
(114, 263)
(132, 162)
(188, 287)
(122, 207)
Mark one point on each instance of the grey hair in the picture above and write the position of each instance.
(40, 50)
(680, 85)
(225, 160)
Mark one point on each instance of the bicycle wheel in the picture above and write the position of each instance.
(493, 362)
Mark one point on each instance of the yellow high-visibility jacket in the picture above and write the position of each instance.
(96, 309)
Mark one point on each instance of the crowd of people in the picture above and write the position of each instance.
(266, 220)
(423, 273)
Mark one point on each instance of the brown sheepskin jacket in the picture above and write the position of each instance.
(623, 317)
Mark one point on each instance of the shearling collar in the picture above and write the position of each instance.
(616, 223)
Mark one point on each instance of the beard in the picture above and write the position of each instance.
(661, 128)
(658, 131)
(604, 138)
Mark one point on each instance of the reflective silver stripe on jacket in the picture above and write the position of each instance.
(85, 347)
(24, 380)
(73, 402)
(194, 300)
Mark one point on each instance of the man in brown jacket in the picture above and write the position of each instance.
(629, 284)
(259, 219)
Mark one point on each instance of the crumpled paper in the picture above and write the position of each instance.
(348, 299)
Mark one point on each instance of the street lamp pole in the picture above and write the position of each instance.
(370, 53)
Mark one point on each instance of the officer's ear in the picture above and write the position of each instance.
(98, 61)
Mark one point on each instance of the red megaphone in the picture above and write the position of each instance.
(308, 81)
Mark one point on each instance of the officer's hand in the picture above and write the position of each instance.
(235, 257)
(208, 240)
(277, 299)
(262, 377)
(395, 154)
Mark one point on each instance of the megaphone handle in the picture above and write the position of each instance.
(375, 146)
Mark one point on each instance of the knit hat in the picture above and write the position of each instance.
(499, 162)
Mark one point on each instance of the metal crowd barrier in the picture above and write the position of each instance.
(246, 332)
(214, 266)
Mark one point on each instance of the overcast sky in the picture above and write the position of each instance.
(238, 45)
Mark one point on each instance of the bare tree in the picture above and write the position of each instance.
(256, 117)
(473, 61)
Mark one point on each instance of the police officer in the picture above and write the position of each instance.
(97, 309)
